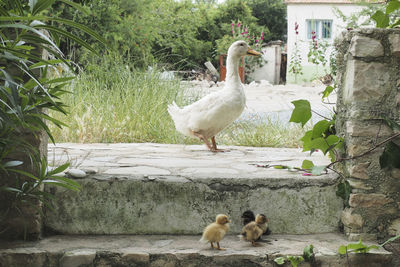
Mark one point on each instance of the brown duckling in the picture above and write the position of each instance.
(216, 231)
(248, 216)
(253, 230)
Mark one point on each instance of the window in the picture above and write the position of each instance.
(322, 28)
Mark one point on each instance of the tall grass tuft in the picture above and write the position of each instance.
(261, 131)
(112, 103)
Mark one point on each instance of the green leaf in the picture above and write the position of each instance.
(69, 36)
(392, 6)
(32, 29)
(382, 20)
(280, 260)
(344, 190)
(12, 163)
(320, 143)
(318, 170)
(390, 157)
(328, 90)
(307, 141)
(307, 164)
(295, 260)
(281, 167)
(332, 140)
(40, 5)
(342, 250)
(308, 253)
(10, 189)
(390, 240)
(302, 112)
(25, 174)
(320, 128)
(59, 169)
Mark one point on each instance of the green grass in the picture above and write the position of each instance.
(262, 133)
(110, 103)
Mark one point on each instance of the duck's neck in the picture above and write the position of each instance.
(232, 69)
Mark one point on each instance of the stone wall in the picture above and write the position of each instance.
(369, 92)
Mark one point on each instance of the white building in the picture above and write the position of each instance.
(314, 16)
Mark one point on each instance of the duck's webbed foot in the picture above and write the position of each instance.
(204, 139)
(219, 248)
(214, 146)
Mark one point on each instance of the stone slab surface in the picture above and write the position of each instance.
(176, 189)
(166, 250)
(194, 161)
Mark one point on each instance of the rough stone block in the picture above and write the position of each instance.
(367, 129)
(394, 228)
(78, 257)
(357, 148)
(365, 82)
(166, 204)
(395, 173)
(361, 46)
(350, 220)
(359, 185)
(133, 256)
(360, 171)
(368, 200)
(394, 40)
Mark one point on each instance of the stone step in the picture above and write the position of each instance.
(177, 189)
(166, 250)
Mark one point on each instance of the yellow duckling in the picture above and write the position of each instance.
(253, 230)
(216, 231)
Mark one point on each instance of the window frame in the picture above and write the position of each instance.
(321, 31)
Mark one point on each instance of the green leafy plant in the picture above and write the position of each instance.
(356, 248)
(28, 89)
(308, 254)
(384, 19)
(294, 260)
(317, 52)
(295, 65)
(45, 176)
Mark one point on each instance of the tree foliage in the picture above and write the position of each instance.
(272, 15)
(183, 34)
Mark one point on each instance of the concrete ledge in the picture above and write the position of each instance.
(175, 189)
(63, 251)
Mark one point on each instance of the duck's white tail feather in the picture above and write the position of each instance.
(173, 110)
(178, 117)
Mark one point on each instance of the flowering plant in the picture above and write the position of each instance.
(295, 66)
(317, 51)
(240, 31)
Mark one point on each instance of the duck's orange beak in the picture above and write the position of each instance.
(252, 52)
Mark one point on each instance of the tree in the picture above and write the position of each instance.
(272, 14)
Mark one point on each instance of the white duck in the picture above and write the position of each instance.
(211, 114)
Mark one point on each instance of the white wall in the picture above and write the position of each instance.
(270, 71)
(300, 12)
